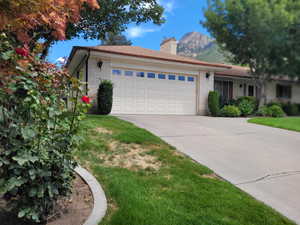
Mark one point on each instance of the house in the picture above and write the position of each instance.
(161, 82)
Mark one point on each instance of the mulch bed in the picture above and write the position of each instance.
(72, 211)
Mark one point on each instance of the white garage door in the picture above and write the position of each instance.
(152, 93)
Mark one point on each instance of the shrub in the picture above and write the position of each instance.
(290, 109)
(274, 103)
(250, 99)
(37, 132)
(214, 103)
(105, 97)
(230, 111)
(263, 111)
(275, 111)
(246, 107)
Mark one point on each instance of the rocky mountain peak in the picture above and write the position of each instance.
(192, 43)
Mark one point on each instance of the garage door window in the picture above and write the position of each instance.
(181, 78)
(191, 79)
(140, 74)
(172, 77)
(151, 75)
(161, 76)
(116, 72)
(129, 73)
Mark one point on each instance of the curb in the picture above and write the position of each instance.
(100, 201)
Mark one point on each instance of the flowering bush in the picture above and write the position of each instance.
(37, 131)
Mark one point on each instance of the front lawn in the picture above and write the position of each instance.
(148, 182)
(288, 123)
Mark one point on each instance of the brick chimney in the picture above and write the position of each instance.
(169, 45)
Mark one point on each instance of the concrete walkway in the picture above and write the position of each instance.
(263, 161)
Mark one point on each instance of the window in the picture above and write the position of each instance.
(191, 79)
(181, 78)
(140, 74)
(172, 77)
(129, 73)
(151, 75)
(225, 89)
(161, 76)
(116, 72)
(250, 90)
(283, 91)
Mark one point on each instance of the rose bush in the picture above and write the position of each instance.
(39, 119)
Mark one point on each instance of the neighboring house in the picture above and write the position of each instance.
(161, 82)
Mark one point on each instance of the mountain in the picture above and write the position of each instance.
(200, 46)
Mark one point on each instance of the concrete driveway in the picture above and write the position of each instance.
(263, 161)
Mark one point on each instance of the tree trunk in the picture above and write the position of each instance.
(261, 95)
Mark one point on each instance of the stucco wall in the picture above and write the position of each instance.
(205, 86)
(96, 74)
(271, 92)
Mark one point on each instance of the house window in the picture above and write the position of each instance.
(140, 74)
(250, 90)
(151, 75)
(161, 76)
(116, 72)
(129, 73)
(172, 77)
(181, 78)
(225, 89)
(283, 91)
(191, 79)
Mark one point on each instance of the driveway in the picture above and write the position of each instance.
(263, 161)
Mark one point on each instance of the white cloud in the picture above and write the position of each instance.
(138, 31)
(61, 60)
(169, 5)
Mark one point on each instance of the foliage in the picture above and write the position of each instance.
(251, 31)
(105, 97)
(230, 111)
(275, 111)
(116, 39)
(291, 109)
(246, 107)
(111, 17)
(24, 17)
(274, 103)
(37, 132)
(263, 111)
(214, 103)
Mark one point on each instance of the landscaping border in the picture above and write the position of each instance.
(100, 201)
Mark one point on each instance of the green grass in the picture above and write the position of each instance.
(288, 123)
(175, 194)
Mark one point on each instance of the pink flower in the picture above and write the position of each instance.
(22, 51)
(86, 99)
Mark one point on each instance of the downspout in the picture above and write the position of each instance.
(87, 71)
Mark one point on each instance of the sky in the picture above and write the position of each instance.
(182, 16)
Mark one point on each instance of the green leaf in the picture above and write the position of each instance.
(7, 55)
(21, 213)
(28, 133)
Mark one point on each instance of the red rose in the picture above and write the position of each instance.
(86, 99)
(22, 51)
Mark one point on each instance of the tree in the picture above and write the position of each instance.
(28, 20)
(112, 17)
(249, 30)
(116, 39)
